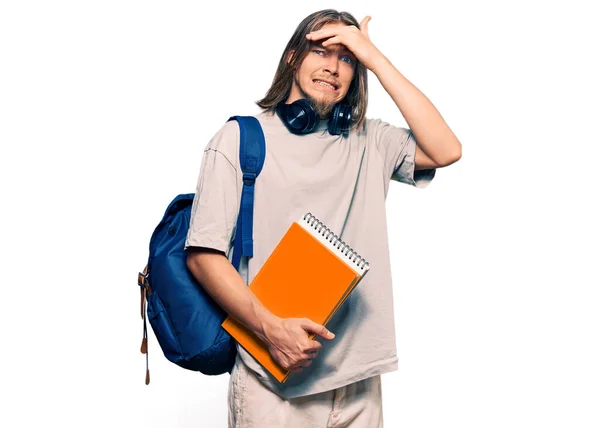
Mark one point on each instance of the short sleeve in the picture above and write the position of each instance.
(397, 147)
(216, 202)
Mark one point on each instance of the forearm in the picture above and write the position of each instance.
(224, 284)
(431, 132)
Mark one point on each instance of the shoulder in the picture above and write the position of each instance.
(378, 130)
(371, 128)
(230, 131)
(374, 126)
(269, 121)
(226, 136)
(225, 142)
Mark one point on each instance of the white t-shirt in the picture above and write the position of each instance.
(343, 181)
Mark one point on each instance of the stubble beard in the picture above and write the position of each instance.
(322, 107)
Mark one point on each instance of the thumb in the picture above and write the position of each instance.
(313, 327)
(364, 26)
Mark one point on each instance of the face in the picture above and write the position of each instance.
(324, 76)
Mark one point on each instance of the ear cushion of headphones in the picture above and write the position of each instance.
(340, 119)
(299, 116)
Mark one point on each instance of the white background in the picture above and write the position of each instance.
(106, 107)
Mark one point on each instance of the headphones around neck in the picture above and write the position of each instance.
(300, 118)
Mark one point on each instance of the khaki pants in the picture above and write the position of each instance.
(252, 405)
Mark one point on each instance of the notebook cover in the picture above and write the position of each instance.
(302, 278)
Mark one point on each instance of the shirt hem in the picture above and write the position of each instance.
(377, 368)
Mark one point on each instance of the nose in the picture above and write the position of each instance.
(332, 64)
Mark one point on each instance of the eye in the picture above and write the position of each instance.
(318, 52)
(348, 59)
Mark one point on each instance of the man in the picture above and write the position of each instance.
(342, 177)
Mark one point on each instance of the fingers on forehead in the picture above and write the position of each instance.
(334, 47)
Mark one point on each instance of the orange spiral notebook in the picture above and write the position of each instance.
(310, 273)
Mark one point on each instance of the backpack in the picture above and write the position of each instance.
(185, 319)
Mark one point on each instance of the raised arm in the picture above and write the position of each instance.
(437, 146)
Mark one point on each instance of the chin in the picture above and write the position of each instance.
(330, 98)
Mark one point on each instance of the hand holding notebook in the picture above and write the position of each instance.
(291, 345)
(309, 274)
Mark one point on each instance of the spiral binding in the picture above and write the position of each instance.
(336, 241)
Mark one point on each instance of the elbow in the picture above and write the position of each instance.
(458, 152)
(456, 157)
(453, 157)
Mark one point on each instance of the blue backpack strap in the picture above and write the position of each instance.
(252, 157)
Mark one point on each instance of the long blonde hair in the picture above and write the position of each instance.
(284, 76)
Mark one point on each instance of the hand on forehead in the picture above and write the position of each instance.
(318, 42)
(355, 40)
(332, 47)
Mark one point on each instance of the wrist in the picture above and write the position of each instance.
(378, 63)
(268, 322)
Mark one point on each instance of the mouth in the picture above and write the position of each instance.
(332, 86)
